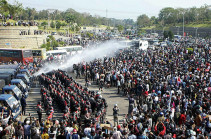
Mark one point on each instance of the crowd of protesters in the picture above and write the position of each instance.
(168, 90)
(171, 86)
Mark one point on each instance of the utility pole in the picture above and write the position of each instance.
(107, 17)
(49, 12)
(183, 24)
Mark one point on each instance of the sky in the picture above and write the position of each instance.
(119, 9)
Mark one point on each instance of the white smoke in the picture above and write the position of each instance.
(106, 49)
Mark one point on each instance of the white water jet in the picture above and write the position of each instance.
(106, 49)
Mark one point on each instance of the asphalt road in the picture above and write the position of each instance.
(112, 98)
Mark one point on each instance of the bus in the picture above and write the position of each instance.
(56, 52)
(39, 53)
(140, 44)
(19, 55)
(127, 43)
(71, 49)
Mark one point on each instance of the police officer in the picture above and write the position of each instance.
(115, 114)
(23, 104)
(39, 111)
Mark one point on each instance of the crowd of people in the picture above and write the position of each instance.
(168, 90)
(171, 86)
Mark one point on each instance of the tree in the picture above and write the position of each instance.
(170, 35)
(120, 28)
(58, 25)
(70, 18)
(165, 34)
(168, 15)
(143, 20)
(52, 24)
(141, 32)
(108, 28)
(44, 23)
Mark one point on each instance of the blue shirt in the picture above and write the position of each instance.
(27, 129)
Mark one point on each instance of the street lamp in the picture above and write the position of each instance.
(183, 24)
(196, 32)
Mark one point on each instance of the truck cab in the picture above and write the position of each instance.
(13, 90)
(25, 71)
(21, 85)
(13, 72)
(9, 103)
(24, 78)
(6, 77)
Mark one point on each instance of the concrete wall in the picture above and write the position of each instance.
(201, 32)
(10, 37)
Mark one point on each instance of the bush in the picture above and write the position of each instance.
(44, 23)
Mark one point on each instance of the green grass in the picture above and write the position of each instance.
(147, 28)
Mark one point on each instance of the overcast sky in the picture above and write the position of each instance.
(120, 9)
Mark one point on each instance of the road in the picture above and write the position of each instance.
(110, 94)
(31, 101)
(112, 98)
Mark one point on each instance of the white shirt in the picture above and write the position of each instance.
(5, 121)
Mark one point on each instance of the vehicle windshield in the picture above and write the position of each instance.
(12, 102)
(27, 78)
(23, 84)
(27, 53)
(24, 78)
(17, 91)
(26, 72)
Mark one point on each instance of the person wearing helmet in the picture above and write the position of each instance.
(39, 111)
(115, 114)
(75, 135)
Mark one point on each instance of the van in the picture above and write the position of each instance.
(9, 103)
(25, 71)
(13, 72)
(13, 90)
(6, 78)
(21, 85)
(25, 79)
(2, 84)
(13, 66)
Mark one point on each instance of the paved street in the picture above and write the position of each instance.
(111, 96)
(34, 97)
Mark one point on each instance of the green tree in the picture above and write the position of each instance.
(168, 15)
(120, 28)
(108, 28)
(58, 25)
(52, 24)
(165, 34)
(170, 35)
(141, 32)
(44, 23)
(143, 20)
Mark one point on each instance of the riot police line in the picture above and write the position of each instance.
(78, 104)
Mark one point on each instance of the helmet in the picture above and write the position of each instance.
(115, 105)
(119, 126)
(100, 97)
(74, 131)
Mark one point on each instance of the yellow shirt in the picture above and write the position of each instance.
(45, 136)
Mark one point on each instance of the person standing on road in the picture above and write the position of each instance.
(23, 105)
(39, 111)
(115, 114)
